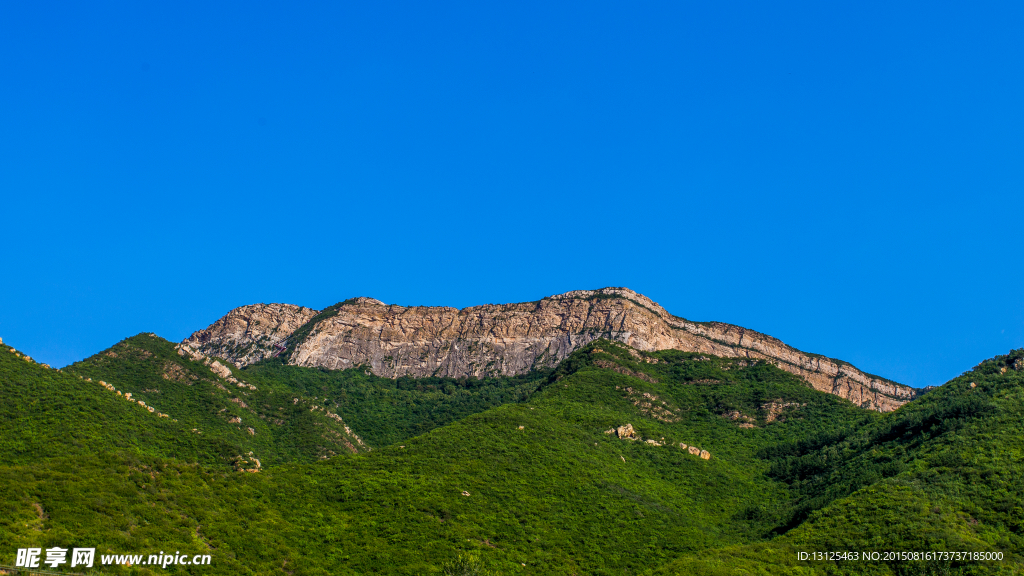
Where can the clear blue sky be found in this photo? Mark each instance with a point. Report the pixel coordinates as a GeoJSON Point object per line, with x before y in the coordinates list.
{"type": "Point", "coordinates": [848, 177]}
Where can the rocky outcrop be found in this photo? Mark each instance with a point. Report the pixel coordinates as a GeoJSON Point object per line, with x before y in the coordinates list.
{"type": "Point", "coordinates": [704, 454]}
{"type": "Point", "coordinates": [247, 463]}
{"type": "Point", "coordinates": [626, 432]}
{"type": "Point", "coordinates": [251, 333]}
{"type": "Point", "coordinates": [507, 339]}
{"type": "Point", "coordinates": [742, 419]}
{"type": "Point", "coordinates": [220, 369]}
{"type": "Point", "coordinates": [773, 410]}
{"type": "Point", "coordinates": [651, 405]}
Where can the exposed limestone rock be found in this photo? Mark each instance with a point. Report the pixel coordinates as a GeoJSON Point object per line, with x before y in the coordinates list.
{"type": "Point", "coordinates": [186, 350]}
{"type": "Point", "coordinates": [512, 339]}
{"type": "Point", "coordinates": [251, 333]}
{"type": "Point", "coordinates": [696, 451]}
{"type": "Point", "coordinates": [248, 463]}
{"type": "Point", "coordinates": [652, 406]}
{"type": "Point", "coordinates": [626, 432]}
{"type": "Point", "coordinates": [774, 409]}
{"type": "Point", "coordinates": [176, 373]}
{"type": "Point", "coordinates": [220, 369]}
{"type": "Point", "coordinates": [240, 383]}
{"type": "Point", "coordinates": [744, 420]}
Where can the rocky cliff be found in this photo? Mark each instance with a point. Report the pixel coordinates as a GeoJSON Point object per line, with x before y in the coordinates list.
{"type": "Point", "coordinates": [509, 339]}
{"type": "Point", "coordinates": [250, 333]}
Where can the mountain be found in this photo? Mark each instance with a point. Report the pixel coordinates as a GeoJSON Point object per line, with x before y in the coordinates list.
{"type": "Point", "coordinates": [590, 474]}
{"type": "Point", "coordinates": [620, 461]}
{"type": "Point", "coordinates": [509, 339]}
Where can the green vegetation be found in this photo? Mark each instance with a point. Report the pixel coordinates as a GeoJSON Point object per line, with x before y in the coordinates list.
{"type": "Point", "coordinates": [48, 413]}
{"type": "Point", "coordinates": [385, 411]}
{"type": "Point", "coordinates": [943, 473]}
{"type": "Point", "coordinates": [512, 476]}
{"type": "Point", "coordinates": [275, 425]}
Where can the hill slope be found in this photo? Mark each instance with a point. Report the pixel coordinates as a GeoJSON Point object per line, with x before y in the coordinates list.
{"type": "Point", "coordinates": [203, 394]}
{"type": "Point", "coordinates": [943, 474]}
{"type": "Point", "coordinates": [46, 413]}
{"type": "Point", "coordinates": [540, 483]}
{"type": "Point", "coordinates": [588, 475]}
{"type": "Point", "coordinates": [384, 410]}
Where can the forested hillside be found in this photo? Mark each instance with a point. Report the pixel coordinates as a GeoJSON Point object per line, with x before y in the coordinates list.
{"type": "Point", "coordinates": [616, 462]}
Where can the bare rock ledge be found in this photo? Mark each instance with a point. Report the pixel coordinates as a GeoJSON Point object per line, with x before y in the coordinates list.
{"type": "Point", "coordinates": [508, 339]}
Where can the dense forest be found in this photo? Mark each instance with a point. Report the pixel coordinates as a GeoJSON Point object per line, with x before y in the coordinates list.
{"type": "Point", "coordinates": [616, 462]}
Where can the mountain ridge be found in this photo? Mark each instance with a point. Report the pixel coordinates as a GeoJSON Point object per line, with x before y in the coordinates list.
{"type": "Point", "coordinates": [509, 339]}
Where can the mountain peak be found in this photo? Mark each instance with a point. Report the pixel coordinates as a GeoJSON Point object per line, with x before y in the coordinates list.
{"type": "Point", "coordinates": [509, 339]}
{"type": "Point", "coordinates": [365, 300]}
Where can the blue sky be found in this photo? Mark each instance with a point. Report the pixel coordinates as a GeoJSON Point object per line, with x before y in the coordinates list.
{"type": "Point", "coordinates": [848, 177]}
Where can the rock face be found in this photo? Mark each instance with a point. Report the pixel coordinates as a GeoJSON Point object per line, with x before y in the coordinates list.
{"type": "Point", "coordinates": [250, 333]}
{"type": "Point", "coordinates": [507, 339]}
